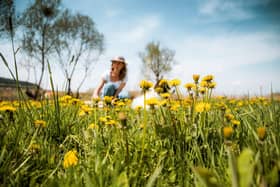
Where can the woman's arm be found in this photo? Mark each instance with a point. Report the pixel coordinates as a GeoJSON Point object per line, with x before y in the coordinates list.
{"type": "Point", "coordinates": [97, 90]}
{"type": "Point", "coordinates": [122, 85]}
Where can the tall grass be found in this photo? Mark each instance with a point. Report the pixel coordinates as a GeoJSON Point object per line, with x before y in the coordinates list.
{"type": "Point", "coordinates": [178, 142]}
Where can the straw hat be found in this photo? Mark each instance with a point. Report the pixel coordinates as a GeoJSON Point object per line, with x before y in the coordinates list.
{"type": "Point", "coordinates": [118, 59]}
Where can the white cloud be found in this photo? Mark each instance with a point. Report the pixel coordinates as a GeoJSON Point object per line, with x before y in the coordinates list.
{"type": "Point", "coordinates": [225, 10]}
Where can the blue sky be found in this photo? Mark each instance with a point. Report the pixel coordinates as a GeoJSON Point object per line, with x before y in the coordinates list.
{"type": "Point", "coordinates": [237, 41]}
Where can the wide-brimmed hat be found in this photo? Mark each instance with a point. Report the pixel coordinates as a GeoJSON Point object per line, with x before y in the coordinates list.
{"type": "Point", "coordinates": [118, 59]}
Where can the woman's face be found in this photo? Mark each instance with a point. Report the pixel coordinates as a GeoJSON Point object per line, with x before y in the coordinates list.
{"type": "Point", "coordinates": [116, 68]}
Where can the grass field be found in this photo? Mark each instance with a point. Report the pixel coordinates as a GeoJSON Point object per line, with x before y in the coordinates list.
{"type": "Point", "coordinates": [193, 140]}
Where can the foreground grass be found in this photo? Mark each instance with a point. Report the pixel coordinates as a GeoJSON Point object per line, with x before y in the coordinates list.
{"type": "Point", "coordinates": [188, 141]}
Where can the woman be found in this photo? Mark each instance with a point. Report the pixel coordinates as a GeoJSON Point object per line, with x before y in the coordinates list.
{"type": "Point", "coordinates": [113, 81]}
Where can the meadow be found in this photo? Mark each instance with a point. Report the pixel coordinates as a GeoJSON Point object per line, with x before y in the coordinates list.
{"type": "Point", "coordinates": [187, 138]}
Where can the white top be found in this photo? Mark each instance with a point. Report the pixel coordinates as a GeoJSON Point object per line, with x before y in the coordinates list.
{"type": "Point", "coordinates": [106, 78]}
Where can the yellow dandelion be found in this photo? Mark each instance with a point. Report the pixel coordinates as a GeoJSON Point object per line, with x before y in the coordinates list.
{"type": "Point", "coordinates": [229, 116]}
{"type": "Point", "coordinates": [201, 107]}
{"type": "Point", "coordinates": [208, 78]}
{"type": "Point", "coordinates": [175, 82]}
{"type": "Point", "coordinates": [108, 99]}
{"type": "Point", "coordinates": [152, 101]}
{"type": "Point", "coordinates": [228, 131]}
{"type": "Point", "coordinates": [111, 122]}
{"type": "Point", "coordinates": [202, 90]}
{"type": "Point", "coordinates": [40, 123]}
{"type": "Point", "coordinates": [158, 90]}
{"type": "Point", "coordinates": [204, 84]}
{"type": "Point", "coordinates": [93, 126]}
{"type": "Point", "coordinates": [145, 85]}
{"type": "Point", "coordinates": [261, 132]}
{"type": "Point", "coordinates": [189, 86]}
{"type": "Point", "coordinates": [212, 85]}
{"type": "Point", "coordinates": [165, 95]}
{"type": "Point", "coordinates": [70, 159]}
{"type": "Point", "coordinates": [196, 78]}
{"type": "Point", "coordinates": [7, 108]}
{"type": "Point", "coordinates": [235, 122]}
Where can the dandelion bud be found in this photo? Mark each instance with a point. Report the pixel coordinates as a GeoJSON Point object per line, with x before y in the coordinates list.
{"type": "Point", "coordinates": [261, 133]}
{"type": "Point", "coordinates": [228, 131]}
{"type": "Point", "coordinates": [196, 78]}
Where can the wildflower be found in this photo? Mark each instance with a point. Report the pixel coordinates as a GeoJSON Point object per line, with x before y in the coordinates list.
{"type": "Point", "coordinates": [235, 122]}
{"type": "Point", "coordinates": [189, 86]}
{"type": "Point", "coordinates": [212, 85]}
{"type": "Point", "coordinates": [111, 122]}
{"type": "Point", "coordinates": [39, 123]}
{"type": "Point", "coordinates": [202, 90]}
{"type": "Point", "coordinates": [261, 132]}
{"type": "Point", "coordinates": [108, 99]}
{"type": "Point", "coordinates": [152, 101]}
{"type": "Point", "coordinates": [7, 108]}
{"type": "Point", "coordinates": [175, 82]}
{"type": "Point", "coordinates": [92, 126]}
{"type": "Point", "coordinates": [201, 107]}
{"type": "Point", "coordinates": [196, 78]}
{"type": "Point", "coordinates": [34, 148]}
{"type": "Point", "coordinates": [70, 159]}
{"type": "Point", "coordinates": [145, 85]}
{"type": "Point", "coordinates": [229, 116]}
{"type": "Point", "coordinates": [158, 90]}
{"type": "Point", "coordinates": [165, 95]}
{"type": "Point", "coordinates": [174, 107]}
{"type": "Point", "coordinates": [208, 78]}
{"type": "Point", "coordinates": [228, 131]}
{"type": "Point", "coordinates": [204, 84]}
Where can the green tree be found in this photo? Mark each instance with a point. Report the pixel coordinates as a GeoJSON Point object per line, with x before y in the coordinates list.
{"type": "Point", "coordinates": [8, 24]}
{"type": "Point", "coordinates": [79, 44]}
{"type": "Point", "coordinates": [157, 60]}
{"type": "Point", "coordinates": [39, 36]}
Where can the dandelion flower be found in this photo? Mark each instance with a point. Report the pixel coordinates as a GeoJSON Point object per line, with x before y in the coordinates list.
{"type": "Point", "coordinates": [92, 126]}
{"type": "Point", "coordinates": [189, 86]}
{"type": "Point", "coordinates": [201, 107]}
{"type": "Point", "coordinates": [235, 122]}
{"type": "Point", "coordinates": [8, 108]}
{"type": "Point", "coordinates": [145, 85]}
{"type": "Point", "coordinates": [40, 123]}
{"type": "Point", "coordinates": [208, 78]}
{"type": "Point", "coordinates": [175, 82]}
{"type": "Point", "coordinates": [70, 159]}
{"type": "Point", "coordinates": [196, 78]}
{"type": "Point", "coordinates": [228, 131]}
{"type": "Point", "coordinates": [261, 132]}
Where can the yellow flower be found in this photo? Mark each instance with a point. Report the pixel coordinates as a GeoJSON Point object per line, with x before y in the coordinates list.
{"type": "Point", "coordinates": [108, 99]}
{"type": "Point", "coordinates": [165, 95]}
{"type": "Point", "coordinates": [152, 101]}
{"type": "Point", "coordinates": [111, 122]}
{"type": "Point", "coordinates": [70, 159]}
{"type": "Point", "coordinates": [228, 131]}
{"type": "Point", "coordinates": [212, 85]}
{"type": "Point", "coordinates": [235, 122]}
{"type": "Point", "coordinates": [175, 82]}
{"type": "Point", "coordinates": [7, 108]}
{"type": "Point", "coordinates": [145, 85]}
{"type": "Point", "coordinates": [196, 78]}
{"type": "Point", "coordinates": [189, 86]}
{"type": "Point", "coordinates": [39, 123]}
{"type": "Point", "coordinates": [208, 78]}
{"type": "Point", "coordinates": [201, 107]}
{"type": "Point", "coordinates": [261, 132]}
{"type": "Point", "coordinates": [229, 116]}
{"type": "Point", "coordinates": [92, 126]}
{"type": "Point", "coordinates": [204, 84]}
{"type": "Point", "coordinates": [202, 90]}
